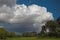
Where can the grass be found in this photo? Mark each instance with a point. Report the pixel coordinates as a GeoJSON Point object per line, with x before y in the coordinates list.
{"type": "Point", "coordinates": [32, 38]}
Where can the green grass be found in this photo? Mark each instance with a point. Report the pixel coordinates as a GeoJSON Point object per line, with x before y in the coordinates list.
{"type": "Point", "coordinates": [33, 38]}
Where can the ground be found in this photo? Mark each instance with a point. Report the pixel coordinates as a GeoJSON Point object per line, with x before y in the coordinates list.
{"type": "Point", "coordinates": [32, 38]}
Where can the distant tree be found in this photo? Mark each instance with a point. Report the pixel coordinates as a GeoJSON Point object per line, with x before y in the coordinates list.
{"type": "Point", "coordinates": [11, 34]}
{"type": "Point", "coordinates": [33, 34]}
{"type": "Point", "coordinates": [3, 33]}
{"type": "Point", "coordinates": [29, 34]}
{"type": "Point", "coordinates": [25, 34]}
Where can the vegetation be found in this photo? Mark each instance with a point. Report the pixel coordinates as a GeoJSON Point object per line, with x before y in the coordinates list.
{"type": "Point", "coordinates": [33, 38]}
{"type": "Point", "coordinates": [3, 33]}
{"type": "Point", "coordinates": [29, 34]}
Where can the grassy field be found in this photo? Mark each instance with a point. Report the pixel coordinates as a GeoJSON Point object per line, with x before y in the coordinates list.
{"type": "Point", "coordinates": [33, 38]}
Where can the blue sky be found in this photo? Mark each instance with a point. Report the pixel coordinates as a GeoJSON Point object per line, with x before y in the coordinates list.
{"type": "Point", "coordinates": [52, 6]}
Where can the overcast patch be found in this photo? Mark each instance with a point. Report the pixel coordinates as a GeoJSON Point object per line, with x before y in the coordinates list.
{"type": "Point", "coordinates": [9, 3]}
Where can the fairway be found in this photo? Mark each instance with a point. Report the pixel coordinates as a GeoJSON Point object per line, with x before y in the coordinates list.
{"type": "Point", "coordinates": [33, 38]}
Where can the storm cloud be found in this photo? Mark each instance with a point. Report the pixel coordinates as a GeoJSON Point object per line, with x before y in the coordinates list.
{"type": "Point", "coordinates": [22, 17]}
{"type": "Point", "coordinates": [8, 2]}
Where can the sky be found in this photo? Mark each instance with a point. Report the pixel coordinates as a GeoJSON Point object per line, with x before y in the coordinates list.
{"type": "Point", "coordinates": [27, 15]}
{"type": "Point", "coordinates": [51, 5]}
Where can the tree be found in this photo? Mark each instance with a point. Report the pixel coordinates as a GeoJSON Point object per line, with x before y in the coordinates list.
{"type": "Point", "coordinates": [58, 27]}
{"type": "Point", "coordinates": [58, 21]}
{"type": "Point", "coordinates": [3, 33]}
{"type": "Point", "coordinates": [51, 25]}
{"type": "Point", "coordinates": [29, 34]}
{"type": "Point", "coordinates": [33, 34]}
{"type": "Point", "coordinates": [42, 33]}
{"type": "Point", "coordinates": [11, 34]}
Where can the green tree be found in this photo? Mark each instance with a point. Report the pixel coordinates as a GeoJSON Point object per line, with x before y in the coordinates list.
{"type": "Point", "coordinates": [51, 25]}
{"type": "Point", "coordinates": [29, 34]}
{"type": "Point", "coordinates": [58, 27]}
{"type": "Point", "coordinates": [3, 33]}
{"type": "Point", "coordinates": [58, 21]}
{"type": "Point", "coordinates": [25, 34]}
{"type": "Point", "coordinates": [11, 34]}
{"type": "Point", "coordinates": [33, 34]}
{"type": "Point", "coordinates": [42, 33]}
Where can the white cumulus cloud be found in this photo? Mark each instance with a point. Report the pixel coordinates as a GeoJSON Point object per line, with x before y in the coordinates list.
{"type": "Point", "coordinates": [24, 17]}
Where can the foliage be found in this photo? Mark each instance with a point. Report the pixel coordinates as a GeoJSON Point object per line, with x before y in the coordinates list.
{"type": "Point", "coordinates": [29, 34]}
{"type": "Point", "coordinates": [51, 26]}
{"type": "Point", "coordinates": [58, 21]}
{"type": "Point", "coordinates": [11, 34]}
{"type": "Point", "coordinates": [3, 33]}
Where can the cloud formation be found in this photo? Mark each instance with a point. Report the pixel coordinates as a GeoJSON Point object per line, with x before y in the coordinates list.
{"type": "Point", "coordinates": [9, 3]}
{"type": "Point", "coordinates": [22, 17]}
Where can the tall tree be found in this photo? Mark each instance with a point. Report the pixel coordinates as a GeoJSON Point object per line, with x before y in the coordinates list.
{"type": "Point", "coordinates": [42, 33]}
{"type": "Point", "coordinates": [58, 27]}
{"type": "Point", "coordinates": [58, 21]}
{"type": "Point", "coordinates": [3, 33]}
{"type": "Point", "coordinates": [51, 25]}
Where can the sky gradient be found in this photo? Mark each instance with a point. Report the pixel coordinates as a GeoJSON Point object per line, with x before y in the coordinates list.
{"type": "Point", "coordinates": [52, 6]}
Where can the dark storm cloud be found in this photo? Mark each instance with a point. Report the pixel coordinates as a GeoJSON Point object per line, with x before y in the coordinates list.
{"type": "Point", "coordinates": [8, 2]}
